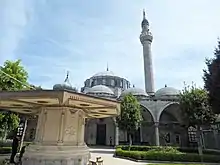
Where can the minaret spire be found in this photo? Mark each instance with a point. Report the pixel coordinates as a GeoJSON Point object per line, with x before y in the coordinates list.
{"type": "Point", "coordinates": [107, 68]}
{"type": "Point", "coordinates": [144, 14]}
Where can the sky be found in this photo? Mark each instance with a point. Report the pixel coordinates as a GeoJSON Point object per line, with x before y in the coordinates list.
{"type": "Point", "coordinates": [52, 37]}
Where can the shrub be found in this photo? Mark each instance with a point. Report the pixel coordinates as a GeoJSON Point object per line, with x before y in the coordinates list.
{"type": "Point", "coordinates": [5, 150]}
{"type": "Point", "coordinates": [159, 148]}
{"type": "Point", "coordinates": [162, 154]}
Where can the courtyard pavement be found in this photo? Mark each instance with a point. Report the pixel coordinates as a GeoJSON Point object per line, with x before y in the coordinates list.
{"type": "Point", "coordinates": [107, 155]}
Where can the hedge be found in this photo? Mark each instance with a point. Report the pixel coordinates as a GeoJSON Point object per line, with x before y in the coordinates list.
{"type": "Point", "coordinates": [5, 150]}
{"type": "Point", "coordinates": [163, 155]}
{"type": "Point", "coordinates": [184, 150]}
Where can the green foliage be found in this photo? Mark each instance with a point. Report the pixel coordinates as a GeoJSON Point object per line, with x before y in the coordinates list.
{"type": "Point", "coordinates": [15, 70]}
{"type": "Point", "coordinates": [167, 149]}
{"type": "Point", "coordinates": [130, 117]}
{"type": "Point", "coordinates": [5, 150]}
{"type": "Point", "coordinates": [8, 122]}
{"type": "Point", "coordinates": [165, 154]}
{"type": "Point", "coordinates": [194, 104]}
{"type": "Point", "coordinates": [211, 79]}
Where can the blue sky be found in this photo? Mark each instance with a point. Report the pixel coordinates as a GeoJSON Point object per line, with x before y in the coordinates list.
{"type": "Point", "coordinates": [82, 36]}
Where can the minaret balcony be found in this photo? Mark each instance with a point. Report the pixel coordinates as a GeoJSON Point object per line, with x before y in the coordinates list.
{"type": "Point", "coordinates": [146, 37]}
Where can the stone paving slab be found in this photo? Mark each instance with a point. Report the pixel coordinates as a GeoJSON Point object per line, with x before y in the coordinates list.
{"type": "Point", "coordinates": [107, 156]}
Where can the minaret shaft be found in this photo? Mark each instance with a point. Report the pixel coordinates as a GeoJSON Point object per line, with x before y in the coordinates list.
{"type": "Point", "coordinates": [146, 39]}
{"type": "Point", "coordinates": [148, 68]}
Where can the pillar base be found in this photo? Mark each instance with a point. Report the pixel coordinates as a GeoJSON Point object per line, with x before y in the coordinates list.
{"type": "Point", "coordinates": [56, 155]}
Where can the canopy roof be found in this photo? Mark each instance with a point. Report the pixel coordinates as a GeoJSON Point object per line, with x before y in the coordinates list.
{"type": "Point", "coordinates": [28, 102]}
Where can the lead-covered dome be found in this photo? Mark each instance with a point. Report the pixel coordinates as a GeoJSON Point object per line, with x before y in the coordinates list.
{"type": "Point", "coordinates": [104, 73]}
{"type": "Point", "coordinates": [167, 92]}
{"type": "Point", "coordinates": [102, 89]}
{"type": "Point", "coordinates": [65, 85]}
{"type": "Point", "coordinates": [135, 92]}
{"type": "Point", "coordinates": [62, 87]}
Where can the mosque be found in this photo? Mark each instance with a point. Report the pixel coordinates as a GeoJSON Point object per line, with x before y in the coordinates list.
{"type": "Point", "coordinates": [162, 121]}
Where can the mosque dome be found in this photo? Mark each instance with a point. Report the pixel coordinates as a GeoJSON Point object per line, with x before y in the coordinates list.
{"type": "Point", "coordinates": [100, 89]}
{"type": "Point", "coordinates": [64, 86]}
{"type": "Point", "coordinates": [104, 73]}
{"type": "Point", "coordinates": [167, 91]}
{"type": "Point", "coordinates": [135, 92]}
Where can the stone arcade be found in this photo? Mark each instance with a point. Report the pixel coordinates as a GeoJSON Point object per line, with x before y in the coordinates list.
{"type": "Point", "coordinates": [61, 114]}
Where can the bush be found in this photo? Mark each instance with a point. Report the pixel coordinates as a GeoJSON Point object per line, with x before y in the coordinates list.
{"type": "Point", "coordinates": [5, 150]}
{"type": "Point", "coordinates": [7, 143]}
{"type": "Point", "coordinates": [162, 154]}
{"type": "Point", "coordinates": [159, 148]}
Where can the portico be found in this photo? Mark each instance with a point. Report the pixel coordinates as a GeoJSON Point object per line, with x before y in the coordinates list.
{"type": "Point", "coordinates": [61, 120]}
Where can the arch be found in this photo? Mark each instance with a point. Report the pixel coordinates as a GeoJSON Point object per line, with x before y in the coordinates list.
{"type": "Point", "coordinates": [175, 114]}
{"type": "Point", "coordinates": [149, 111]}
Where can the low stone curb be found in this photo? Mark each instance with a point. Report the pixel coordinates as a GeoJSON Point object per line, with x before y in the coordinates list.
{"type": "Point", "coordinates": [161, 162]}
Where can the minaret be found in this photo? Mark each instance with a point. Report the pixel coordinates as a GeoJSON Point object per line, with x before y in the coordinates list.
{"type": "Point", "coordinates": [146, 39]}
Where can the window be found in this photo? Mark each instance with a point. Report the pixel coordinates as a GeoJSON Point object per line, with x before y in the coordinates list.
{"type": "Point", "coordinates": [103, 81]}
{"type": "Point", "coordinates": [95, 82]}
{"type": "Point", "coordinates": [121, 83]}
{"type": "Point", "coordinates": [177, 139]}
{"type": "Point", "coordinates": [192, 134]}
{"type": "Point", "coordinates": [112, 82]}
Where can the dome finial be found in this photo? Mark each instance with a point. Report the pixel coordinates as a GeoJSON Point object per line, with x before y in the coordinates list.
{"type": "Point", "coordinates": [67, 77]}
{"type": "Point", "coordinates": [144, 14]}
{"type": "Point", "coordinates": [107, 68]}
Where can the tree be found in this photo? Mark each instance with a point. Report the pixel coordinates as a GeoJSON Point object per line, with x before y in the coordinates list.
{"type": "Point", "coordinates": [195, 107]}
{"type": "Point", "coordinates": [13, 77]}
{"type": "Point", "coordinates": [9, 122]}
{"type": "Point", "coordinates": [130, 117]}
{"type": "Point", "coordinates": [211, 79]}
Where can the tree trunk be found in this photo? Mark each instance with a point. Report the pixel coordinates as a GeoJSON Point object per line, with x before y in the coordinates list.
{"type": "Point", "coordinates": [130, 139]}
{"type": "Point", "coordinates": [199, 142]}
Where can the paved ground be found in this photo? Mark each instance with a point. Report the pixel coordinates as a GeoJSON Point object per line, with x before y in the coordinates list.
{"type": "Point", "coordinates": [107, 156]}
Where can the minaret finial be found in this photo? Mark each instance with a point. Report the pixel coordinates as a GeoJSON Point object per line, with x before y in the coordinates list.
{"type": "Point", "coordinates": [107, 67]}
{"type": "Point", "coordinates": [144, 14]}
{"type": "Point", "coordinates": [67, 76]}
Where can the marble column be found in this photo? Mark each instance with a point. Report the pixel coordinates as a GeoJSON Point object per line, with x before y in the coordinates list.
{"type": "Point", "coordinates": [141, 134]}
{"type": "Point", "coordinates": [59, 140]}
{"type": "Point", "coordinates": [116, 135]}
{"type": "Point", "coordinates": [157, 134]}
{"type": "Point", "coordinates": [116, 132]}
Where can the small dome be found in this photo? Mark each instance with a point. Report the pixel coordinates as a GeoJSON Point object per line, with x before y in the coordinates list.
{"type": "Point", "coordinates": [100, 89]}
{"type": "Point", "coordinates": [62, 87]}
{"type": "Point", "coordinates": [66, 85]}
{"type": "Point", "coordinates": [105, 73]}
{"type": "Point", "coordinates": [134, 91]}
{"type": "Point", "coordinates": [167, 91]}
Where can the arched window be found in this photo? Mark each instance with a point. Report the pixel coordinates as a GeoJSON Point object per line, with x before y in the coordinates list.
{"type": "Point", "coordinates": [192, 134]}
{"type": "Point", "coordinates": [112, 82]}
{"type": "Point", "coordinates": [104, 81]}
